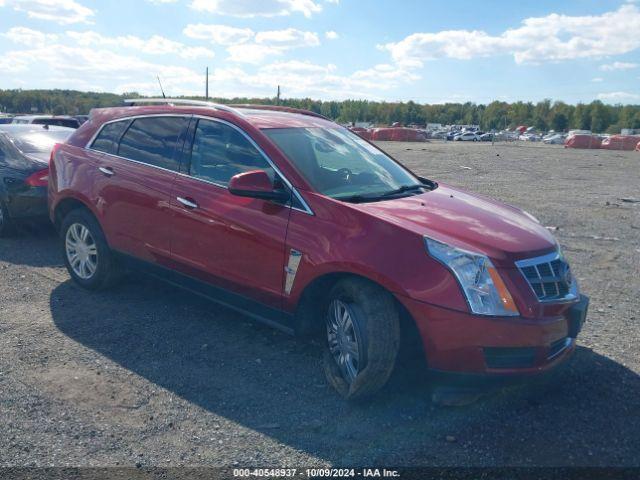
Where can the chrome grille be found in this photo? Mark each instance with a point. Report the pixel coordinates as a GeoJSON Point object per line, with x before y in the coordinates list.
{"type": "Point", "coordinates": [549, 276]}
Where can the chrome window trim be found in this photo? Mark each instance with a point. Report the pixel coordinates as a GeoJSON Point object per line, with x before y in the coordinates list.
{"type": "Point", "coordinates": [286, 181]}
{"type": "Point", "coordinates": [548, 258]}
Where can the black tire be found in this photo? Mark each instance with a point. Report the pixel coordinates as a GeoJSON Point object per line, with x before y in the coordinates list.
{"type": "Point", "coordinates": [376, 321]}
{"type": "Point", "coordinates": [6, 225]}
{"type": "Point", "coordinates": [107, 271]}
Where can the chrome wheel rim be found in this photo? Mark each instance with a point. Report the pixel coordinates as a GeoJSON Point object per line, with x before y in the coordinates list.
{"type": "Point", "coordinates": [343, 339]}
{"type": "Point", "coordinates": [82, 252]}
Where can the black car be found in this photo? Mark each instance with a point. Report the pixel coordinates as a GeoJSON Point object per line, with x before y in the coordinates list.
{"type": "Point", "coordinates": [24, 170]}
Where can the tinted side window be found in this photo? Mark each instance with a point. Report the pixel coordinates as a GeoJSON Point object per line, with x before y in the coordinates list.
{"type": "Point", "coordinates": [107, 139]}
{"type": "Point", "coordinates": [219, 152]}
{"type": "Point", "coordinates": [153, 141]}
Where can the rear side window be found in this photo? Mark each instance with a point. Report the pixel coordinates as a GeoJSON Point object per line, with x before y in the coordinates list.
{"type": "Point", "coordinates": [107, 139]}
{"type": "Point", "coordinates": [153, 141]}
{"type": "Point", "coordinates": [219, 152]}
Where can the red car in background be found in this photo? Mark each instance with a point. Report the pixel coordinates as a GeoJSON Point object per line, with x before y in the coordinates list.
{"type": "Point", "coordinates": [294, 220]}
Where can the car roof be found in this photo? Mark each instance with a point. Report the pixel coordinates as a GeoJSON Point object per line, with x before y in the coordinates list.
{"type": "Point", "coordinates": [259, 116]}
{"type": "Point", "coordinates": [31, 117]}
{"type": "Point", "coordinates": [32, 128]}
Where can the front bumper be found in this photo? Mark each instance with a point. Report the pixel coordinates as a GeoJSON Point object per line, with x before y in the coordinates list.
{"type": "Point", "coordinates": [459, 343]}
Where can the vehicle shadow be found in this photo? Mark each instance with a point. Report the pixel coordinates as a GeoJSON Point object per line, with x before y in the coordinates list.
{"type": "Point", "coordinates": [31, 244]}
{"type": "Point", "coordinates": [271, 383]}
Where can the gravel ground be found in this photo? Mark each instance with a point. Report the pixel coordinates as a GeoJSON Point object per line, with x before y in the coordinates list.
{"type": "Point", "coordinates": [149, 376]}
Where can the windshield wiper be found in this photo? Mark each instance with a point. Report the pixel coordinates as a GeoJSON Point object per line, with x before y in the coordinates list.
{"type": "Point", "coordinates": [402, 189]}
{"type": "Point", "coordinates": [358, 198]}
{"type": "Point", "coordinates": [379, 196]}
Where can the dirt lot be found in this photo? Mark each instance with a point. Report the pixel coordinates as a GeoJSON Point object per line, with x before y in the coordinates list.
{"type": "Point", "coordinates": [148, 375]}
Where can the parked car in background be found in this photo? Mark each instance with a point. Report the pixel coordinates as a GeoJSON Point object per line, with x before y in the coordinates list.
{"type": "Point", "coordinates": [467, 137]}
{"type": "Point", "coordinates": [556, 139]}
{"type": "Point", "coordinates": [288, 216]}
{"type": "Point", "coordinates": [530, 137]}
{"type": "Point", "coordinates": [440, 134]}
{"type": "Point", "coordinates": [452, 134]}
{"type": "Point", "coordinates": [5, 119]}
{"type": "Point", "coordinates": [486, 137]}
{"type": "Point", "coordinates": [24, 158]}
{"type": "Point", "coordinates": [60, 121]}
{"type": "Point", "coordinates": [578, 132]}
{"type": "Point", "coordinates": [81, 118]}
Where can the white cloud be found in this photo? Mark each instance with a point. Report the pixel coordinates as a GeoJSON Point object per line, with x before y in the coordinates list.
{"type": "Point", "coordinates": [538, 39]}
{"type": "Point", "coordinates": [331, 35]}
{"type": "Point", "coordinates": [288, 38]}
{"type": "Point", "coordinates": [28, 37]}
{"type": "Point", "coordinates": [252, 53]}
{"type": "Point", "coordinates": [64, 12]}
{"type": "Point", "coordinates": [219, 34]}
{"type": "Point", "coordinates": [155, 45]}
{"type": "Point", "coordinates": [383, 73]}
{"type": "Point", "coordinates": [254, 48]}
{"type": "Point", "coordinates": [297, 67]}
{"type": "Point", "coordinates": [619, 97]}
{"type": "Point", "coordinates": [82, 66]}
{"type": "Point", "coordinates": [257, 8]}
{"type": "Point", "coordinates": [618, 66]}
{"type": "Point", "coordinates": [597, 79]}
{"type": "Point", "coordinates": [246, 46]}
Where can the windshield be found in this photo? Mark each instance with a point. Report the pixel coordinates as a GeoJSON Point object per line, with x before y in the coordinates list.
{"type": "Point", "coordinates": [39, 142]}
{"type": "Point", "coordinates": [341, 165]}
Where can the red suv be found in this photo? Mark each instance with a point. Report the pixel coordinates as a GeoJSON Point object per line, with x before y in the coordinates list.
{"type": "Point", "coordinates": [296, 221]}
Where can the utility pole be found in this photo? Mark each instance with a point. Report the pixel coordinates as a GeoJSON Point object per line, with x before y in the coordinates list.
{"type": "Point", "coordinates": [278, 96]}
{"type": "Point", "coordinates": [207, 85]}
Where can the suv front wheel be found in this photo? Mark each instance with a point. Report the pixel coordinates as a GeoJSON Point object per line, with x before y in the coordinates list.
{"type": "Point", "coordinates": [87, 256]}
{"type": "Point", "coordinates": [363, 337]}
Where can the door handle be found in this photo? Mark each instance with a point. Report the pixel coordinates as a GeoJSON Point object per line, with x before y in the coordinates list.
{"type": "Point", "coordinates": [187, 202]}
{"type": "Point", "coordinates": [107, 171]}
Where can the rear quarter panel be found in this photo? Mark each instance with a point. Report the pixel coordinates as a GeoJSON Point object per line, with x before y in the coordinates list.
{"type": "Point", "coordinates": [72, 173]}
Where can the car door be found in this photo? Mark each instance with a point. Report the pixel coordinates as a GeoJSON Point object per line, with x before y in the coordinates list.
{"type": "Point", "coordinates": [134, 185]}
{"type": "Point", "coordinates": [234, 243]}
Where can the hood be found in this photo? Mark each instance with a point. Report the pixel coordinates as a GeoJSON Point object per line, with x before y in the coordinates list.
{"type": "Point", "coordinates": [469, 221]}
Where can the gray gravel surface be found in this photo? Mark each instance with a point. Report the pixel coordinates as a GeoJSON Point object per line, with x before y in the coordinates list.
{"type": "Point", "coordinates": [146, 375]}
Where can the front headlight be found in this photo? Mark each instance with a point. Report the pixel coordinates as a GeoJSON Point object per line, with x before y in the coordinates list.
{"type": "Point", "coordinates": [480, 282]}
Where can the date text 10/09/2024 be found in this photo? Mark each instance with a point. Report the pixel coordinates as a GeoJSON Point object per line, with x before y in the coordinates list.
{"type": "Point", "coordinates": [316, 473]}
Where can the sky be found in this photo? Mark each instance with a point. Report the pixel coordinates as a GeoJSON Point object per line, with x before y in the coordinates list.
{"type": "Point", "coordinates": [421, 50]}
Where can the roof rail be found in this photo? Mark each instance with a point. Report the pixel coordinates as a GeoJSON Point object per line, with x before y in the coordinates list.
{"type": "Point", "coordinates": [280, 108]}
{"type": "Point", "coordinates": [181, 101]}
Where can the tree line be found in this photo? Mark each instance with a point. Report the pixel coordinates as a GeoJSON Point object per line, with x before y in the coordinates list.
{"type": "Point", "coordinates": [544, 115]}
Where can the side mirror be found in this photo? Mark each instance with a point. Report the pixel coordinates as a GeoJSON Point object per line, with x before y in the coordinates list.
{"type": "Point", "coordinates": [256, 184]}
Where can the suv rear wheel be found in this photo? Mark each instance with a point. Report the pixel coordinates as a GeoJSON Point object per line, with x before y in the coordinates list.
{"type": "Point", "coordinates": [363, 338]}
{"type": "Point", "coordinates": [86, 254]}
